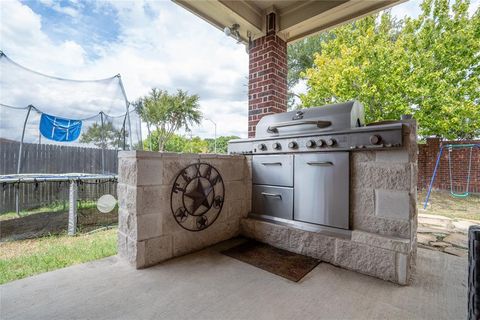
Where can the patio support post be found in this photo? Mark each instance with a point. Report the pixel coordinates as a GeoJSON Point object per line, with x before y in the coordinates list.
{"type": "Point", "coordinates": [267, 80]}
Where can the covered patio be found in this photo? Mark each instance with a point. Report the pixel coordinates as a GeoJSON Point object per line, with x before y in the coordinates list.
{"type": "Point", "coordinates": [194, 280]}
{"type": "Point", "coordinates": [209, 285]}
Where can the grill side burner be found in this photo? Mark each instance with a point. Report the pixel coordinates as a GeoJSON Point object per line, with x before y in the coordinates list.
{"type": "Point", "coordinates": [300, 168]}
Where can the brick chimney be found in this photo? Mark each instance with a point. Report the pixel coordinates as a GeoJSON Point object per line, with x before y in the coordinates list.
{"type": "Point", "coordinates": [267, 80]}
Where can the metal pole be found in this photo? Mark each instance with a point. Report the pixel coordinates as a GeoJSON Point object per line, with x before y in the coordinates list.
{"type": "Point", "coordinates": [129, 129]}
{"type": "Point", "coordinates": [215, 141]}
{"type": "Point", "coordinates": [433, 177]}
{"type": "Point", "coordinates": [127, 105]}
{"type": "Point", "coordinates": [103, 142]}
{"type": "Point", "coordinates": [19, 162]}
{"type": "Point", "coordinates": [191, 137]}
{"type": "Point", "coordinates": [124, 131]}
{"type": "Point", "coordinates": [149, 137]}
{"type": "Point", "coordinates": [140, 138]}
{"type": "Point", "coordinates": [72, 208]}
{"type": "Point", "coordinates": [215, 144]}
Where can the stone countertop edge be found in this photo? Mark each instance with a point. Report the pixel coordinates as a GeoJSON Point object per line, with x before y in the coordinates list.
{"type": "Point", "coordinates": [155, 154]}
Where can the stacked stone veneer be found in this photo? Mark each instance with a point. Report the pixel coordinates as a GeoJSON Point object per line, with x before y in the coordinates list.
{"type": "Point", "coordinates": [148, 232]}
{"type": "Point", "coordinates": [382, 213]}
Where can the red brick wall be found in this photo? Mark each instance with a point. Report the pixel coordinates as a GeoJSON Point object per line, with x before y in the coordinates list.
{"type": "Point", "coordinates": [267, 84]}
{"type": "Point", "coordinates": [427, 156]}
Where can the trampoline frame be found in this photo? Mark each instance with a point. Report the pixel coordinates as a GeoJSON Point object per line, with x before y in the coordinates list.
{"type": "Point", "coordinates": [73, 178]}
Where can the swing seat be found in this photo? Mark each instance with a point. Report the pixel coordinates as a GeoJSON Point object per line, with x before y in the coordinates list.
{"type": "Point", "coordinates": [450, 149]}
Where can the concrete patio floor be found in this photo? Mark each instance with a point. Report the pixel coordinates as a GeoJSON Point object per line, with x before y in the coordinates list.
{"type": "Point", "coordinates": [208, 285]}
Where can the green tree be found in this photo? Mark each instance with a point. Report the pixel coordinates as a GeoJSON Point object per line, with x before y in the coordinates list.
{"type": "Point", "coordinates": [167, 113]}
{"type": "Point", "coordinates": [222, 144]}
{"type": "Point", "coordinates": [443, 45]}
{"type": "Point", "coordinates": [362, 63]}
{"type": "Point", "coordinates": [428, 67]}
{"type": "Point", "coordinates": [104, 137]}
{"type": "Point", "coordinates": [177, 143]}
{"type": "Point", "coordinates": [300, 56]}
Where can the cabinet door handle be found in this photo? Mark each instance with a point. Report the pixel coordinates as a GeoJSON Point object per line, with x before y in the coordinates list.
{"type": "Point", "coordinates": [272, 195]}
{"type": "Point", "coordinates": [320, 163]}
{"type": "Point", "coordinates": [272, 163]}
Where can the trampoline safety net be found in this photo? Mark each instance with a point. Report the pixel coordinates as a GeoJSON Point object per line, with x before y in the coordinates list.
{"type": "Point", "coordinates": [108, 124]}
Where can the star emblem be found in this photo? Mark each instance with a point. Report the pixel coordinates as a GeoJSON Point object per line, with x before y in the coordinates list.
{"type": "Point", "coordinates": [202, 222]}
{"type": "Point", "coordinates": [199, 195]}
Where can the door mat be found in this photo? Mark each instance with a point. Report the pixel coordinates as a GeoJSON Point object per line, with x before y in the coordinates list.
{"type": "Point", "coordinates": [283, 263]}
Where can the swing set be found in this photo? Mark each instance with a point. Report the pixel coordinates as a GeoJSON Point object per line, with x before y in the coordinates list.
{"type": "Point", "coordinates": [450, 148]}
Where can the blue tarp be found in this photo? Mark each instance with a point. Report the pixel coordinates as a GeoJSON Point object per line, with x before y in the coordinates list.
{"type": "Point", "coordinates": [60, 129]}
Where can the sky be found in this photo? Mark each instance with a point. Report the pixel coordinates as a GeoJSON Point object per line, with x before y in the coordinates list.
{"type": "Point", "coordinates": [150, 43]}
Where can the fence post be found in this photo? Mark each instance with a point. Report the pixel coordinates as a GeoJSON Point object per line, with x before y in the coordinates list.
{"type": "Point", "coordinates": [72, 209]}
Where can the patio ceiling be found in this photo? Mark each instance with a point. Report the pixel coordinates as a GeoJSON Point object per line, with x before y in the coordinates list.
{"type": "Point", "coordinates": [296, 19]}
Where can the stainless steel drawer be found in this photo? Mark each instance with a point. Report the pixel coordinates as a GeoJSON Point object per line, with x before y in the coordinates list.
{"type": "Point", "coordinates": [322, 189]}
{"type": "Point", "coordinates": [273, 201]}
{"type": "Point", "coordinates": [274, 170]}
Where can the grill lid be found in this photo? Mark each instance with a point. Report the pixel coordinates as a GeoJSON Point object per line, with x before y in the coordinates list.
{"type": "Point", "coordinates": [325, 118]}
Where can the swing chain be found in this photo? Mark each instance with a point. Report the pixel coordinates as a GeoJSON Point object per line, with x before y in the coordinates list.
{"type": "Point", "coordinates": [452, 192]}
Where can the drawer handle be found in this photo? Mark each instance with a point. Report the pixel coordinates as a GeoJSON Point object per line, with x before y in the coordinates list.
{"type": "Point", "coordinates": [273, 195]}
{"type": "Point", "coordinates": [321, 163]}
{"type": "Point", "coordinates": [272, 163]}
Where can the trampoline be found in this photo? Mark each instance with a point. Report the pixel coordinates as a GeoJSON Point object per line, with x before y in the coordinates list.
{"type": "Point", "coordinates": [74, 179]}
{"type": "Point", "coordinates": [51, 140]}
{"type": "Point", "coordinates": [61, 177]}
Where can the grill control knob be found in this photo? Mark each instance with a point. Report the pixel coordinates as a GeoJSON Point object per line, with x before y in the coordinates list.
{"type": "Point", "coordinates": [292, 145]}
{"type": "Point", "coordinates": [310, 144]}
{"type": "Point", "coordinates": [262, 146]}
{"type": "Point", "coordinates": [276, 146]}
{"type": "Point", "coordinates": [331, 142]}
{"type": "Point", "coordinates": [375, 139]}
{"type": "Point", "coordinates": [321, 143]}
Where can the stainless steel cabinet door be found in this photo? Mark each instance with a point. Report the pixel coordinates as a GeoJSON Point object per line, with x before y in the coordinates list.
{"type": "Point", "coordinates": [322, 189]}
{"type": "Point", "coordinates": [273, 201]}
{"type": "Point", "coordinates": [276, 170]}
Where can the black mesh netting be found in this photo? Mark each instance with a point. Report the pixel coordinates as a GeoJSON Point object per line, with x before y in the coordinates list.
{"type": "Point", "coordinates": [101, 105]}
{"type": "Point", "coordinates": [108, 125]}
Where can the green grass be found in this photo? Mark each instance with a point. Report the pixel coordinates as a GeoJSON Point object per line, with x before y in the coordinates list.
{"type": "Point", "coordinates": [21, 259]}
{"type": "Point", "coordinates": [53, 207]}
{"type": "Point", "coordinates": [442, 203]}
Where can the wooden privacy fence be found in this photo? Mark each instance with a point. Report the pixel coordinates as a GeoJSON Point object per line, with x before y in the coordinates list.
{"type": "Point", "coordinates": [48, 158]}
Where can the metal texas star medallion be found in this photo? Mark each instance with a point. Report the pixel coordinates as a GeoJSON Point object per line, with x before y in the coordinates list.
{"type": "Point", "coordinates": [197, 196]}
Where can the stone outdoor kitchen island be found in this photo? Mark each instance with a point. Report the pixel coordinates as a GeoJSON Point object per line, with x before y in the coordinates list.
{"type": "Point", "coordinates": [157, 190]}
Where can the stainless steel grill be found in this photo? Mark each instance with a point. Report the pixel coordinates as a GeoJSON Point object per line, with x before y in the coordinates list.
{"type": "Point", "coordinates": [300, 162]}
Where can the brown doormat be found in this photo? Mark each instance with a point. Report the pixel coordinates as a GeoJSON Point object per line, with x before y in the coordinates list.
{"type": "Point", "coordinates": [280, 262]}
